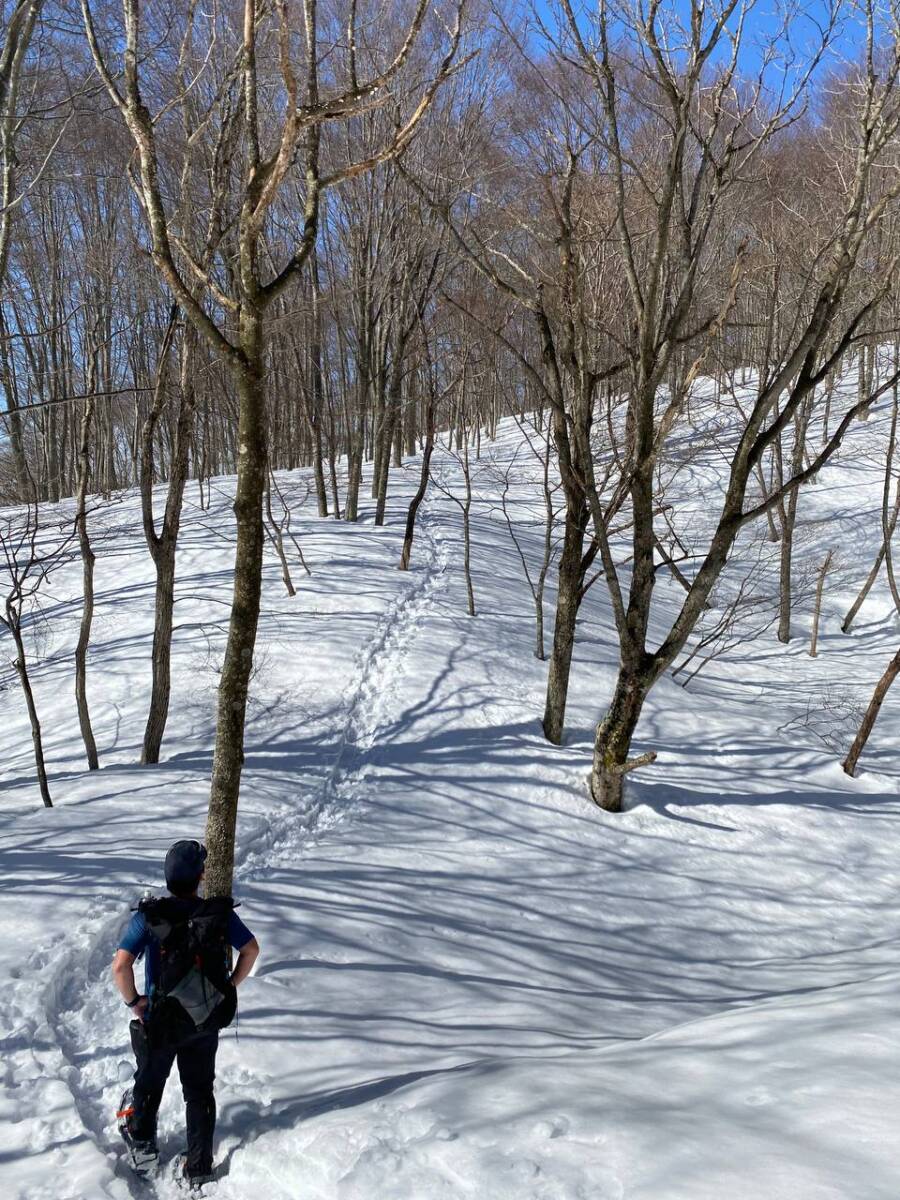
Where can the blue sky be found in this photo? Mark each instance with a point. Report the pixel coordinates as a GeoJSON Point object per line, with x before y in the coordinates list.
{"type": "Point", "coordinates": [765, 19]}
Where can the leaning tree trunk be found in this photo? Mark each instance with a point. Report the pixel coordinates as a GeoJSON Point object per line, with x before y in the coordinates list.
{"type": "Point", "coordinates": [871, 715]}
{"type": "Point", "coordinates": [87, 612]}
{"type": "Point", "coordinates": [817, 610]}
{"type": "Point", "coordinates": [568, 601]}
{"type": "Point", "coordinates": [22, 671]}
{"type": "Point", "coordinates": [233, 687]}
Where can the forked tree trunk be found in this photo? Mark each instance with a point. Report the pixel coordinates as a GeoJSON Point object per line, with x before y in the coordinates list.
{"type": "Point", "coordinates": [163, 547]}
{"type": "Point", "coordinates": [871, 715]}
{"type": "Point", "coordinates": [234, 684]}
{"type": "Point", "coordinates": [276, 537]}
{"type": "Point", "coordinates": [613, 740]}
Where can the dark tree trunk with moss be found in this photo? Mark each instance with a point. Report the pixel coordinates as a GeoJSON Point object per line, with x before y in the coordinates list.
{"type": "Point", "coordinates": [613, 739]}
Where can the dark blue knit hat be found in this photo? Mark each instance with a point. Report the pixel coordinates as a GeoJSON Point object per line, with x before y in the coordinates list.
{"type": "Point", "coordinates": [184, 863]}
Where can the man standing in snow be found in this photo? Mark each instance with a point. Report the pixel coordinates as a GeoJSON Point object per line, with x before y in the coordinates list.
{"type": "Point", "coordinates": [189, 996]}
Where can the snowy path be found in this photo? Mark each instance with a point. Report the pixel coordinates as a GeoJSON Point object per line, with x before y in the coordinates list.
{"type": "Point", "coordinates": [69, 1037]}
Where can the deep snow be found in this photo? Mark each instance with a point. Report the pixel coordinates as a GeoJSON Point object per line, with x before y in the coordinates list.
{"type": "Point", "coordinates": [472, 982]}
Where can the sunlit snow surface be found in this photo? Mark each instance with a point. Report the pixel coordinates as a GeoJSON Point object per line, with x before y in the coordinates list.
{"type": "Point", "coordinates": [472, 983]}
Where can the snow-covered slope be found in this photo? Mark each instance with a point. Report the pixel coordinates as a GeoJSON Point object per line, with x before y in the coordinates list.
{"type": "Point", "coordinates": [472, 982]}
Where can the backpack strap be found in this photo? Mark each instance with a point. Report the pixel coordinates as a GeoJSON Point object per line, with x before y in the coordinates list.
{"type": "Point", "coordinates": [165, 913]}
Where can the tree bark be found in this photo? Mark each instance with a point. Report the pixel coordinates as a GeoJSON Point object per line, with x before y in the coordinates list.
{"type": "Point", "coordinates": [417, 499]}
{"type": "Point", "coordinates": [37, 742]}
{"type": "Point", "coordinates": [163, 547]}
{"type": "Point", "coordinates": [467, 533]}
{"type": "Point", "coordinates": [318, 392]}
{"type": "Point", "coordinates": [871, 715]}
{"type": "Point", "coordinates": [568, 601]}
{"type": "Point", "coordinates": [87, 611]}
{"type": "Point", "coordinates": [785, 589]}
{"type": "Point", "coordinates": [276, 537]}
{"type": "Point", "coordinates": [613, 739]}
{"type": "Point", "coordinates": [817, 611]}
{"type": "Point", "coordinates": [234, 684]}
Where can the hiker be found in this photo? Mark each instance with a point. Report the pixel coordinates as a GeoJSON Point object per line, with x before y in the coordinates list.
{"type": "Point", "coordinates": [189, 995]}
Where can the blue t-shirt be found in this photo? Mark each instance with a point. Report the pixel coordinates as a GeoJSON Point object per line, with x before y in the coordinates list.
{"type": "Point", "coordinates": [137, 940]}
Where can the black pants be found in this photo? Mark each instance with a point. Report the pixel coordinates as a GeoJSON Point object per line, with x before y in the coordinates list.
{"type": "Point", "coordinates": [196, 1055]}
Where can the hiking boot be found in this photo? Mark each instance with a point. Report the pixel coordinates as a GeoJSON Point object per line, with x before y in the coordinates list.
{"type": "Point", "coordinates": [143, 1152]}
{"type": "Point", "coordinates": [192, 1181]}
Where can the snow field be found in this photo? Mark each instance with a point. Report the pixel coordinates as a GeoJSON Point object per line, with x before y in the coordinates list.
{"type": "Point", "coordinates": [472, 983]}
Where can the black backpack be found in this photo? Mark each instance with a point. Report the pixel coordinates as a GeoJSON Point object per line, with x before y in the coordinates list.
{"type": "Point", "coordinates": [193, 993]}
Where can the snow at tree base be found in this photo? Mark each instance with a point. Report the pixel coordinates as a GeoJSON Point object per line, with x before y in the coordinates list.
{"type": "Point", "coordinates": [474, 983]}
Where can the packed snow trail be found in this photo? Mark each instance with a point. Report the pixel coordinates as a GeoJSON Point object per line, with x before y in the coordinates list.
{"type": "Point", "coordinates": [464, 965]}
{"type": "Point", "coordinates": [77, 998]}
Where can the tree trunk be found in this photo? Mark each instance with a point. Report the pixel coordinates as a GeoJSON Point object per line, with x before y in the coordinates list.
{"type": "Point", "coordinates": [785, 587]}
{"type": "Point", "coordinates": [570, 578]}
{"type": "Point", "coordinates": [467, 542]}
{"type": "Point", "coordinates": [354, 468]}
{"type": "Point", "coordinates": [871, 715]}
{"type": "Point", "coordinates": [276, 537]}
{"type": "Point", "coordinates": [87, 612]}
{"type": "Point", "coordinates": [613, 740]}
{"type": "Point", "coordinates": [417, 499]}
{"type": "Point", "coordinates": [233, 687]}
{"type": "Point", "coordinates": [164, 561]}
{"type": "Point", "coordinates": [22, 672]}
{"type": "Point", "coordinates": [817, 611]}
{"type": "Point", "coordinates": [318, 397]}
{"type": "Point", "coordinates": [390, 424]}
{"type": "Point", "coordinates": [163, 548]}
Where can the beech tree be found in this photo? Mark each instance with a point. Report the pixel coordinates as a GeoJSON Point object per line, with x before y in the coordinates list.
{"type": "Point", "coordinates": [238, 287]}
{"type": "Point", "coordinates": [715, 129]}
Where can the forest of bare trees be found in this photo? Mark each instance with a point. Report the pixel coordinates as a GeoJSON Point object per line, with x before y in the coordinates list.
{"type": "Point", "coordinates": [251, 237]}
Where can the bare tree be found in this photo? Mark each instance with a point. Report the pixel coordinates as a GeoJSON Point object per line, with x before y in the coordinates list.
{"type": "Point", "coordinates": [871, 714]}
{"type": "Point", "coordinates": [16, 39]}
{"type": "Point", "coordinates": [238, 292]}
{"type": "Point", "coordinates": [87, 562]}
{"type": "Point", "coordinates": [26, 563]}
{"type": "Point", "coordinates": [711, 139]}
{"type": "Point", "coordinates": [817, 609]}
